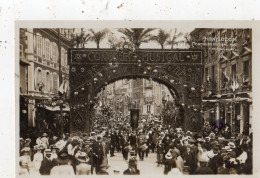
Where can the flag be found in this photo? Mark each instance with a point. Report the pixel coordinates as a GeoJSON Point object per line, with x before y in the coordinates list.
{"type": "Point", "coordinates": [234, 84]}
{"type": "Point", "coordinates": [61, 88]}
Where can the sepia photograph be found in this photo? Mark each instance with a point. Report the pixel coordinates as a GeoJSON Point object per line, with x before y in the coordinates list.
{"type": "Point", "coordinates": [144, 101]}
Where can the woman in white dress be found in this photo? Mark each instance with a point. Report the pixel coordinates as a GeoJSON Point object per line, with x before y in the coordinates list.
{"type": "Point", "coordinates": [38, 157]}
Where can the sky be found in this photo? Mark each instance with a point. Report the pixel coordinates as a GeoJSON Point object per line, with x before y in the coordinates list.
{"type": "Point", "coordinates": [152, 44]}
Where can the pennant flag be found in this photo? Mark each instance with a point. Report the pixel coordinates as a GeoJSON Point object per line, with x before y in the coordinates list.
{"type": "Point", "coordinates": [61, 88]}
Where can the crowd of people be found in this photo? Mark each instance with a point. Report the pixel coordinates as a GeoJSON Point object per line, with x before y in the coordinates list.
{"type": "Point", "coordinates": [212, 151]}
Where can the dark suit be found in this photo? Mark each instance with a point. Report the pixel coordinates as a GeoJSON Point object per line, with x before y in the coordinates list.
{"type": "Point", "coordinates": [46, 166]}
{"type": "Point", "coordinates": [98, 155]}
{"type": "Point", "coordinates": [190, 161]}
{"type": "Point", "coordinates": [113, 144]}
{"type": "Point", "coordinates": [124, 144]}
{"type": "Point", "coordinates": [128, 172]}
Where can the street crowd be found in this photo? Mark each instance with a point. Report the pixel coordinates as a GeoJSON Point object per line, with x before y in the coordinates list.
{"type": "Point", "coordinates": [211, 151]}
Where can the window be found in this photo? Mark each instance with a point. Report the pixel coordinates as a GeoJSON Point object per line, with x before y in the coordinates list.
{"type": "Point", "coordinates": [213, 73]}
{"type": "Point", "coordinates": [38, 79]}
{"type": "Point", "coordinates": [233, 71]}
{"type": "Point", "coordinates": [55, 83]}
{"type": "Point", "coordinates": [63, 57]}
{"type": "Point", "coordinates": [213, 77]}
{"type": "Point", "coordinates": [148, 108]}
{"type": "Point", "coordinates": [21, 50]}
{"type": "Point", "coordinates": [224, 78]}
{"type": "Point", "coordinates": [246, 72]}
{"type": "Point", "coordinates": [38, 44]}
{"type": "Point", "coordinates": [47, 49]}
{"type": "Point", "coordinates": [44, 80]}
{"type": "Point", "coordinates": [206, 74]}
{"type": "Point", "coordinates": [48, 81]}
{"type": "Point", "coordinates": [55, 52]}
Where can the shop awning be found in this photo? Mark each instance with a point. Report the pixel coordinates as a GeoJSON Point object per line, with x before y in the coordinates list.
{"type": "Point", "coordinates": [226, 100]}
{"type": "Point", "coordinates": [57, 108]}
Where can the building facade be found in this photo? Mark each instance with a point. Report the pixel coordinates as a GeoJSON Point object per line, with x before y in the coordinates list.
{"type": "Point", "coordinates": [39, 68]}
{"type": "Point", "coordinates": [143, 94]}
{"type": "Point", "coordinates": [227, 92]}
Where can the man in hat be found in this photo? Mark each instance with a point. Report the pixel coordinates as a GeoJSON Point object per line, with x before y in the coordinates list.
{"type": "Point", "coordinates": [98, 155]}
{"type": "Point", "coordinates": [83, 168]}
{"type": "Point", "coordinates": [45, 140]}
{"type": "Point", "coordinates": [133, 140]}
{"type": "Point", "coordinates": [113, 143]}
{"type": "Point", "coordinates": [47, 164]}
{"type": "Point", "coordinates": [141, 144]}
{"type": "Point", "coordinates": [125, 146]}
{"type": "Point", "coordinates": [64, 167]}
{"type": "Point", "coordinates": [190, 160]}
{"type": "Point", "coordinates": [132, 167]}
{"type": "Point", "coordinates": [168, 162]}
{"type": "Point", "coordinates": [72, 147]}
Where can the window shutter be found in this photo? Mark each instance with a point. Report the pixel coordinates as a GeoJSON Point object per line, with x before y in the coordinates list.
{"type": "Point", "coordinates": [44, 80]}
{"type": "Point", "coordinates": [51, 82]}
{"type": "Point", "coordinates": [43, 48]}
{"type": "Point", "coordinates": [51, 51]}
{"type": "Point", "coordinates": [36, 79]}
{"type": "Point", "coordinates": [34, 44]}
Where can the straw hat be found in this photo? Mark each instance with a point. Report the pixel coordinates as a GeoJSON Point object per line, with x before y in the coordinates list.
{"type": "Point", "coordinates": [81, 157]}
{"type": "Point", "coordinates": [63, 157]}
{"type": "Point", "coordinates": [48, 151]}
{"type": "Point", "coordinates": [44, 134]}
{"type": "Point", "coordinates": [232, 144]}
{"type": "Point", "coordinates": [168, 155]}
{"type": "Point", "coordinates": [28, 140]}
{"type": "Point", "coordinates": [38, 147]}
{"type": "Point", "coordinates": [25, 149]}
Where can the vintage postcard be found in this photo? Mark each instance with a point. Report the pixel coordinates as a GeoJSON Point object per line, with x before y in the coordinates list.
{"type": "Point", "coordinates": [130, 98]}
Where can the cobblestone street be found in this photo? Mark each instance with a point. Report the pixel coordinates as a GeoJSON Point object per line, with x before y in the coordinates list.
{"type": "Point", "coordinates": [146, 167]}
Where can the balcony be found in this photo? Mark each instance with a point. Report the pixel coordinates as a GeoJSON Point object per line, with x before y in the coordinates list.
{"type": "Point", "coordinates": [148, 99]}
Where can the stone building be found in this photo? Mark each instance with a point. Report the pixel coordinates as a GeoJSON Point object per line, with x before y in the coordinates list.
{"type": "Point", "coordinates": [39, 69]}
{"type": "Point", "coordinates": [227, 92]}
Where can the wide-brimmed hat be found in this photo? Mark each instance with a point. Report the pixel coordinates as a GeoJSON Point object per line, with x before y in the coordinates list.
{"type": "Point", "coordinates": [168, 155]}
{"type": "Point", "coordinates": [81, 157]}
{"type": "Point", "coordinates": [200, 140]}
{"type": "Point", "coordinates": [207, 138]}
{"type": "Point", "coordinates": [28, 140]}
{"type": "Point", "coordinates": [63, 157]}
{"type": "Point", "coordinates": [38, 147]}
{"type": "Point", "coordinates": [25, 149]}
{"type": "Point", "coordinates": [44, 134]}
{"type": "Point", "coordinates": [132, 161]}
{"type": "Point", "coordinates": [48, 151]}
{"type": "Point", "coordinates": [191, 141]}
{"type": "Point", "coordinates": [232, 144]}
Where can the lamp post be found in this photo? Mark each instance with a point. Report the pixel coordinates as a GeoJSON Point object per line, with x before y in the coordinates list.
{"type": "Point", "coordinates": [60, 82]}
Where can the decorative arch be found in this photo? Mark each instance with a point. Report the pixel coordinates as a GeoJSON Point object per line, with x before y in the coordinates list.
{"type": "Point", "coordinates": [91, 69]}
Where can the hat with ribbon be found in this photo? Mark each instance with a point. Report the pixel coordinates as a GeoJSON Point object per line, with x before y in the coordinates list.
{"type": "Point", "coordinates": [48, 151]}
{"type": "Point", "coordinates": [168, 155]}
{"type": "Point", "coordinates": [81, 157]}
